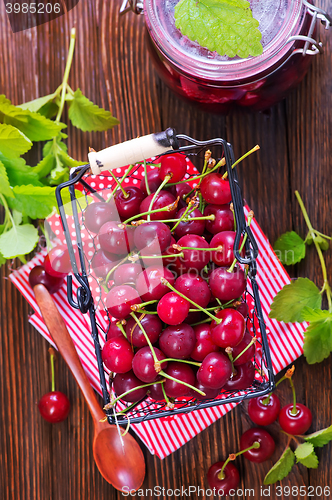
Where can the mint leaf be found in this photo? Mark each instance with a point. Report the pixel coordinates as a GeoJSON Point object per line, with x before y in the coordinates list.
{"type": "Point", "coordinates": [320, 438]}
{"type": "Point", "coordinates": [306, 455]}
{"type": "Point", "coordinates": [56, 162]}
{"type": "Point", "coordinates": [224, 26]}
{"type": "Point", "coordinates": [290, 248]}
{"type": "Point", "coordinates": [13, 142]}
{"type": "Point", "coordinates": [88, 116]}
{"type": "Point", "coordinates": [44, 167]}
{"type": "Point", "coordinates": [4, 182]}
{"type": "Point", "coordinates": [33, 201]}
{"type": "Point", "coordinates": [17, 217]}
{"type": "Point", "coordinates": [318, 336]}
{"type": "Point", "coordinates": [19, 240]}
{"type": "Point", "coordinates": [37, 104]}
{"type": "Point", "coordinates": [289, 302]}
{"type": "Point", "coordinates": [18, 172]}
{"type": "Point", "coordinates": [282, 468]}
{"type": "Point", "coordinates": [35, 126]}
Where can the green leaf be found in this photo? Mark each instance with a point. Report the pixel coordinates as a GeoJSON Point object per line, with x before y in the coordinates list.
{"type": "Point", "coordinates": [17, 217]}
{"type": "Point", "coordinates": [88, 116]}
{"type": "Point", "coordinates": [2, 259]}
{"type": "Point", "coordinates": [322, 242]}
{"type": "Point", "coordinates": [19, 240]}
{"type": "Point", "coordinates": [289, 302]}
{"type": "Point", "coordinates": [224, 26]}
{"type": "Point", "coordinates": [35, 126]}
{"type": "Point", "coordinates": [290, 248]}
{"type": "Point", "coordinates": [320, 438]}
{"type": "Point", "coordinates": [282, 468]}
{"type": "Point", "coordinates": [18, 172]}
{"type": "Point", "coordinates": [318, 336]}
{"type": "Point", "coordinates": [56, 162]}
{"type": "Point", "coordinates": [81, 203]}
{"type": "Point", "coordinates": [37, 104]}
{"type": "Point", "coordinates": [4, 182]}
{"type": "Point", "coordinates": [306, 455]}
{"type": "Point", "coordinates": [44, 167]}
{"type": "Point", "coordinates": [35, 202]}
{"type": "Point", "coordinates": [13, 142]}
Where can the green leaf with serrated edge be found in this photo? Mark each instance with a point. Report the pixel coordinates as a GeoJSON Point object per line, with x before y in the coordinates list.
{"type": "Point", "coordinates": [35, 202]}
{"type": "Point", "coordinates": [45, 166]}
{"type": "Point", "coordinates": [224, 26]}
{"type": "Point", "coordinates": [36, 104]}
{"type": "Point", "coordinates": [18, 172]}
{"type": "Point", "coordinates": [290, 248]}
{"type": "Point", "coordinates": [35, 126]}
{"type": "Point", "coordinates": [289, 302]}
{"type": "Point", "coordinates": [320, 438]}
{"type": "Point", "coordinates": [306, 456]}
{"type": "Point", "coordinates": [54, 146]}
{"type": "Point", "coordinates": [282, 468]}
{"type": "Point", "coordinates": [13, 142]}
{"type": "Point", "coordinates": [49, 110]}
{"type": "Point", "coordinates": [88, 116]}
{"type": "Point", "coordinates": [318, 336]}
{"type": "Point", "coordinates": [19, 240]}
{"type": "Point", "coordinates": [4, 182]}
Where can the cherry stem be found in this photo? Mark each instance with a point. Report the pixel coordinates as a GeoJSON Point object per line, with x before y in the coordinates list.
{"type": "Point", "coordinates": [165, 282]}
{"type": "Point", "coordinates": [207, 309]}
{"type": "Point", "coordinates": [127, 172]}
{"type": "Point", "coordinates": [290, 436]}
{"type": "Point", "coordinates": [165, 181]}
{"type": "Point", "coordinates": [220, 164]}
{"type": "Point", "coordinates": [256, 148]}
{"type": "Point", "coordinates": [165, 395]}
{"type": "Point", "coordinates": [201, 322]}
{"type": "Point", "coordinates": [189, 219]}
{"type": "Point", "coordinates": [253, 341]}
{"type": "Point", "coordinates": [147, 187]}
{"type": "Point", "coordinates": [181, 361]}
{"type": "Point", "coordinates": [114, 401]}
{"type": "Point", "coordinates": [156, 360]}
{"type": "Point", "coordinates": [322, 235]}
{"type": "Point", "coordinates": [294, 410]}
{"type": "Point", "coordinates": [232, 457]}
{"type": "Point", "coordinates": [144, 304]}
{"type": "Point", "coordinates": [178, 247]}
{"type": "Point", "coordinates": [163, 374]}
{"type": "Point", "coordinates": [250, 217]}
{"type": "Point", "coordinates": [125, 194]}
{"type": "Point", "coordinates": [163, 209]}
{"type": "Point", "coordinates": [326, 285]}
{"type": "Point", "coordinates": [181, 254]}
{"type": "Point", "coordinates": [53, 355]}
{"type": "Point", "coordinates": [229, 351]}
{"type": "Point", "coordinates": [120, 326]}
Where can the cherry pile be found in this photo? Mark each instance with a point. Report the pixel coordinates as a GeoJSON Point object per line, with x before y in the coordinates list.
{"type": "Point", "coordinates": [164, 259]}
{"type": "Point", "coordinates": [55, 268]}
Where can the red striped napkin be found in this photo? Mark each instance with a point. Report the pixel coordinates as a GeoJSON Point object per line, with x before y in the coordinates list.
{"type": "Point", "coordinates": [165, 435]}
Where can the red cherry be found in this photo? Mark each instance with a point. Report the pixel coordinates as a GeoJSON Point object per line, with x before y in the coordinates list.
{"type": "Point", "coordinates": [181, 372]}
{"type": "Point", "coordinates": [152, 238]}
{"type": "Point", "coordinates": [295, 424]}
{"type": "Point", "coordinates": [144, 364]}
{"type": "Point", "coordinates": [204, 343]}
{"type": "Point", "coordinates": [261, 436]}
{"type": "Point", "coordinates": [215, 189]}
{"type": "Point", "coordinates": [103, 262]}
{"type": "Point", "coordinates": [116, 238]}
{"type": "Point", "coordinates": [128, 206]}
{"type": "Point", "coordinates": [98, 213]}
{"type": "Point", "coordinates": [179, 191]}
{"type": "Point", "coordinates": [242, 378]}
{"type": "Point", "coordinates": [230, 481]}
{"type": "Point", "coordinates": [57, 262]}
{"type": "Point", "coordinates": [54, 407]}
{"type": "Point", "coordinates": [227, 285]}
{"type": "Point", "coordinates": [224, 240]}
{"type": "Point", "coordinates": [152, 326]}
{"type": "Point", "coordinates": [153, 181]}
{"type": "Point", "coordinates": [124, 382]}
{"type": "Point", "coordinates": [189, 227]}
{"type": "Point", "coordinates": [230, 331]}
{"type": "Point", "coordinates": [120, 299]}
{"type": "Point", "coordinates": [224, 218]}
{"type": "Point", "coordinates": [174, 165]}
{"type": "Point", "coordinates": [114, 331]}
{"type": "Point", "coordinates": [194, 259]}
{"type": "Point", "coordinates": [148, 283]}
{"type": "Point", "coordinates": [215, 370]}
{"type": "Point", "coordinates": [264, 414]}
{"type": "Point", "coordinates": [194, 287]}
{"type": "Point", "coordinates": [127, 273]}
{"type": "Point", "coordinates": [177, 341]}
{"type": "Point", "coordinates": [38, 275]}
{"type": "Point", "coordinates": [173, 309]}
{"type": "Point", "coordinates": [209, 393]}
{"type": "Point", "coordinates": [117, 355]}
{"type": "Point", "coordinates": [163, 199]}
{"type": "Point", "coordinates": [248, 354]}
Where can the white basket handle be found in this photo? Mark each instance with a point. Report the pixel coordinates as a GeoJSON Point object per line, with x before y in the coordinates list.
{"type": "Point", "coordinates": [130, 152]}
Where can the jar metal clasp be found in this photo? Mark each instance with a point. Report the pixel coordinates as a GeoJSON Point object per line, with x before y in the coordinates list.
{"type": "Point", "coordinates": [311, 46]}
{"type": "Point", "coordinates": [133, 5]}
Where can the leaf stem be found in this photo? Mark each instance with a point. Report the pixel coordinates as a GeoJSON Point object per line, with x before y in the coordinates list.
{"type": "Point", "coordinates": [326, 285]}
{"type": "Point", "coordinates": [66, 73]}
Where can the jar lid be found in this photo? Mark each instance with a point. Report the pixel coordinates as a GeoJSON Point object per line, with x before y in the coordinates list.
{"type": "Point", "coordinates": [278, 21]}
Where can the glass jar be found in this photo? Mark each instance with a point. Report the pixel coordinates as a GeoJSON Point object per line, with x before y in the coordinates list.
{"type": "Point", "coordinates": [218, 83]}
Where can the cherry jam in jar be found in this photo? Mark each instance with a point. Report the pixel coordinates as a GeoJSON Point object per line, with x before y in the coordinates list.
{"type": "Point", "coordinates": [218, 83]}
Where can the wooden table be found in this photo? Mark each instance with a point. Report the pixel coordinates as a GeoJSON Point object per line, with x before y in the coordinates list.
{"type": "Point", "coordinates": [112, 67]}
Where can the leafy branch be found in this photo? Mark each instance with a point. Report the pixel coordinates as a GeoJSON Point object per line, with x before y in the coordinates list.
{"type": "Point", "coordinates": [302, 300]}
{"type": "Point", "coordinates": [28, 193]}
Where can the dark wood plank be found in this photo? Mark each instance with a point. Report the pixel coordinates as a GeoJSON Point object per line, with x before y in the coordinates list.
{"type": "Point", "coordinates": [112, 67]}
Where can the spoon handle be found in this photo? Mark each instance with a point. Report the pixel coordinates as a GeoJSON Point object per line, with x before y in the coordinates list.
{"type": "Point", "coordinates": [64, 343]}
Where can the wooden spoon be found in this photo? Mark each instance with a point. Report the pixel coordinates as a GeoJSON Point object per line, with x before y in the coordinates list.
{"type": "Point", "coordinates": [121, 463]}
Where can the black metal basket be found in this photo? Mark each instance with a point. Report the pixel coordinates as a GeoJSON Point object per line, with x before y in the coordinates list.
{"type": "Point", "coordinates": [149, 409]}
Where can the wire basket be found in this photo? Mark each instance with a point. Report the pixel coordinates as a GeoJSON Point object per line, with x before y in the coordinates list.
{"type": "Point", "coordinates": [81, 188]}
